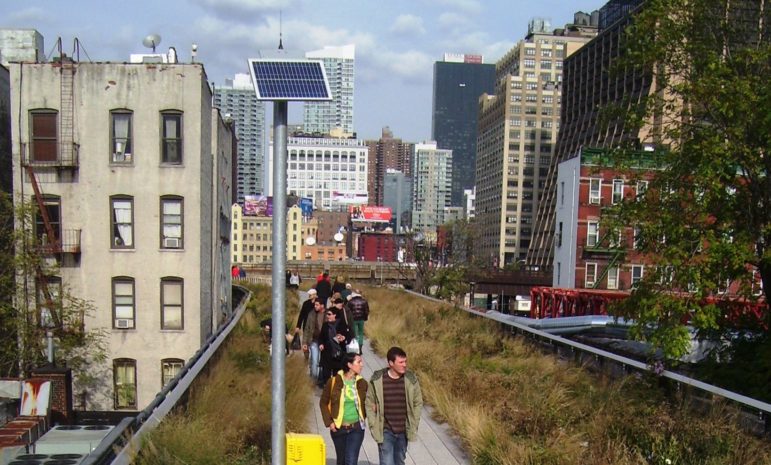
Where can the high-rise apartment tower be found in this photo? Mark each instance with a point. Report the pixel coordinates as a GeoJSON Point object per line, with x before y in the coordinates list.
{"type": "Point", "coordinates": [323, 117]}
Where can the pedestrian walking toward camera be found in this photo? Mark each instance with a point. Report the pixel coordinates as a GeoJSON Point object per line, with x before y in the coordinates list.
{"type": "Point", "coordinates": [324, 288]}
{"type": "Point", "coordinates": [310, 339]}
{"type": "Point", "coordinates": [333, 337]}
{"type": "Point", "coordinates": [342, 409]}
{"type": "Point", "coordinates": [394, 403]}
{"type": "Point", "coordinates": [358, 308]}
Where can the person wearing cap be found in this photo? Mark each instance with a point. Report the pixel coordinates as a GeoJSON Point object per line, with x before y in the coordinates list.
{"type": "Point", "coordinates": [345, 293]}
{"type": "Point", "coordinates": [305, 310]}
{"type": "Point", "coordinates": [358, 312]}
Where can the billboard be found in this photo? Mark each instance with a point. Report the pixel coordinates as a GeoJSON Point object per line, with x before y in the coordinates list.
{"type": "Point", "coordinates": [258, 205]}
{"type": "Point", "coordinates": [306, 205]}
{"type": "Point", "coordinates": [370, 213]}
{"type": "Point", "coordinates": [351, 198]}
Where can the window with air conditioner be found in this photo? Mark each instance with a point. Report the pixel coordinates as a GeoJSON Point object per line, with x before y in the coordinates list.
{"type": "Point", "coordinates": [123, 302]}
{"type": "Point", "coordinates": [120, 137]}
{"type": "Point", "coordinates": [172, 210]}
{"type": "Point", "coordinates": [124, 383]}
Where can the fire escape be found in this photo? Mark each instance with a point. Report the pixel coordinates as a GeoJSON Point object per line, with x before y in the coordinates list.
{"type": "Point", "coordinates": [612, 254]}
{"type": "Point", "coordinates": [53, 161]}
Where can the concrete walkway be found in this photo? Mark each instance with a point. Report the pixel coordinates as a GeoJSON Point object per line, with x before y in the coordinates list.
{"type": "Point", "coordinates": [436, 444]}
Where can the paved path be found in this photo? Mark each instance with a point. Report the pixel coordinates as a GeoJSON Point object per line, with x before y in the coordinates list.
{"type": "Point", "coordinates": [436, 444]}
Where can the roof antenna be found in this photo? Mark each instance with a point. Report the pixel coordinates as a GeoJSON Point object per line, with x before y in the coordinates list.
{"type": "Point", "coordinates": [280, 32]}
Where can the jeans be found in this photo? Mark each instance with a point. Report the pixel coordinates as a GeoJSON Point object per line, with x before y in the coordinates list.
{"type": "Point", "coordinates": [358, 330]}
{"type": "Point", "coordinates": [314, 360]}
{"type": "Point", "coordinates": [347, 445]}
{"type": "Point", "coordinates": [393, 450]}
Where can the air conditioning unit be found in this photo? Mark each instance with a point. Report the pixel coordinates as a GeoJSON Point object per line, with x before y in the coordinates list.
{"type": "Point", "coordinates": [172, 242]}
{"type": "Point", "coordinates": [123, 323]}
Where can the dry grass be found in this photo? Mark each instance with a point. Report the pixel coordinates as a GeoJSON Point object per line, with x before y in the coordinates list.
{"type": "Point", "coordinates": [510, 404]}
{"type": "Point", "coordinates": [228, 417]}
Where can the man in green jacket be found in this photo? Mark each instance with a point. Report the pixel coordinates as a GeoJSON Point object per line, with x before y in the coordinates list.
{"type": "Point", "coordinates": [394, 402]}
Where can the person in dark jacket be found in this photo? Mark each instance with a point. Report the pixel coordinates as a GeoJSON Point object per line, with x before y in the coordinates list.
{"type": "Point", "coordinates": [333, 337]}
{"type": "Point", "coordinates": [342, 409]}
{"type": "Point", "coordinates": [358, 309]}
{"type": "Point", "coordinates": [324, 289]}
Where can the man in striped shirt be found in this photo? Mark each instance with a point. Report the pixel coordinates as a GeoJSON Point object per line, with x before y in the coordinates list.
{"type": "Point", "coordinates": [394, 402]}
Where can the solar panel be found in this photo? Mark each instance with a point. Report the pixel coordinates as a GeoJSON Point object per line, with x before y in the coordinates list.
{"type": "Point", "coordinates": [289, 79]}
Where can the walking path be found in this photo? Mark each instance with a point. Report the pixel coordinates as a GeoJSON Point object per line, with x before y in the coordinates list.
{"type": "Point", "coordinates": [436, 444]}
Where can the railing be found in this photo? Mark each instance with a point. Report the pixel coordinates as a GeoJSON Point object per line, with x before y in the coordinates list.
{"type": "Point", "coordinates": [124, 441]}
{"type": "Point", "coordinates": [758, 413]}
{"type": "Point", "coordinates": [61, 159]}
{"type": "Point", "coordinates": [69, 242]}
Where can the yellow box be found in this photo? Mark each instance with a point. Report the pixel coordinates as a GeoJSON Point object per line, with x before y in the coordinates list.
{"type": "Point", "coordinates": [305, 449]}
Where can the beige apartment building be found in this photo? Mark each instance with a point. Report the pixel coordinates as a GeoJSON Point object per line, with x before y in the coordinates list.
{"type": "Point", "coordinates": [132, 165]}
{"type": "Point", "coordinates": [252, 236]}
{"type": "Point", "coordinates": [516, 139]}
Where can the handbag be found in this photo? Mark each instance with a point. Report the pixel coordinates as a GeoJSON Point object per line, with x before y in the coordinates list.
{"type": "Point", "coordinates": [296, 343]}
{"type": "Point", "coordinates": [353, 347]}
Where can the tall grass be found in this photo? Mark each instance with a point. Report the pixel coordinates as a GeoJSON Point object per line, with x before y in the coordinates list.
{"type": "Point", "coordinates": [228, 417]}
{"type": "Point", "coordinates": [511, 404]}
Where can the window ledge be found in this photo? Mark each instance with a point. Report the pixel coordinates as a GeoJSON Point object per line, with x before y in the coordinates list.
{"type": "Point", "coordinates": [171, 165]}
{"type": "Point", "coordinates": [172, 330]}
{"type": "Point", "coordinates": [121, 164]}
{"type": "Point", "coordinates": [122, 250]}
{"type": "Point", "coordinates": [162, 249]}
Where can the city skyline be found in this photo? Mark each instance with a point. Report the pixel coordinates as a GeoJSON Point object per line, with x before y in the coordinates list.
{"type": "Point", "coordinates": [394, 53]}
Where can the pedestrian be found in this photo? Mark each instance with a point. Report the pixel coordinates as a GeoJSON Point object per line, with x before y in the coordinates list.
{"type": "Point", "coordinates": [342, 409]}
{"type": "Point", "coordinates": [339, 285]}
{"type": "Point", "coordinates": [305, 309]}
{"type": "Point", "coordinates": [333, 337]}
{"type": "Point", "coordinates": [394, 403]}
{"type": "Point", "coordinates": [324, 288]}
{"type": "Point", "coordinates": [294, 280]}
{"type": "Point", "coordinates": [234, 271]}
{"type": "Point", "coordinates": [345, 293]}
{"type": "Point", "coordinates": [310, 339]}
{"type": "Point", "coordinates": [286, 277]}
{"type": "Point", "coordinates": [358, 310]}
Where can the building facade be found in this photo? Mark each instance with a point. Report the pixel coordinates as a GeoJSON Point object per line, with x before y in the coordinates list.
{"type": "Point", "coordinates": [238, 100]}
{"type": "Point", "coordinates": [517, 136]}
{"type": "Point", "coordinates": [397, 194]}
{"type": "Point", "coordinates": [331, 171]}
{"type": "Point", "coordinates": [26, 45]}
{"type": "Point", "coordinates": [431, 188]}
{"type": "Point", "coordinates": [384, 154]}
{"type": "Point", "coordinates": [459, 81]}
{"type": "Point", "coordinates": [132, 164]}
{"type": "Point", "coordinates": [252, 236]}
{"type": "Point", "coordinates": [323, 117]}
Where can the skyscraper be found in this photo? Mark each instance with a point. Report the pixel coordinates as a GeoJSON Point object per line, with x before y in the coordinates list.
{"type": "Point", "coordinates": [384, 154]}
{"type": "Point", "coordinates": [238, 100]}
{"type": "Point", "coordinates": [459, 81]}
{"type": "Point", "coordinates": [517, 135]}
{"type": "Point", "coordinates": [322, 117]}
{"type": "Point", "coordinates": [432, 179]}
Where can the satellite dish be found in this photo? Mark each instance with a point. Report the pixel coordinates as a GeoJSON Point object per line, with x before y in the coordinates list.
{"type": "Point", "coordinates": [151, 41]}
{"type": "Point", "coordinates": [310, 240]}
{"type": "Point", "coordinates": [338, 237]}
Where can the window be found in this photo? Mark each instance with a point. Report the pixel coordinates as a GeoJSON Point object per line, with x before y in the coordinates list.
{"type": "Point", "coordinates": [637, 274]}
{"type": "Point", "coordinates": [642, 186]}
{"type": "Point", "coordinates": [120, 137]}
{"type": "Point", "coordinates": [618, 190]}
{"type": "Point", "coordinates": [590, 276]}
{"type": "Point", "coordinates": [637, 238]}
{"type": "Point", "coordinates": [595, 185]}
{"type": "Point", "coordinates": [125, 383]}
{"type": "Point", "coordinates": [123, 302]}
{"type": "Point", "coordinates": [171, 222]}
{"type": "Point", "coordinates": [613, 278]}
{"type": "Point", "coordinates": [559, 235]}
{"type": "Point", "coordinates": [562, 193]}
{"type": "Point", "coordinates": [170, 368]}
{"type": "Point", "coordinates": [171, 137]}
{"type": "Point", "coordinates": [49, 301]}
{"type": "Point", "coordinates": [592, 234]}
{"type": "Point", "coordinates": [53, 209]}
{"type": "Point", "coordinates": [122, 222]}
{"type": "Point", "coordinates": [172, 313]}
{"type": "Point", "coordinates": [44, 136]}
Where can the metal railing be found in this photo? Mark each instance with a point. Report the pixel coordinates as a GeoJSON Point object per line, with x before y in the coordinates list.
{"type": "Point", "coordinates": [124, 441]}
{"type": "Point", "coordinates": [704, 391]}
{"type": "Point", "coordinates": [63, 158]}
{"type": "Point", "coordinates": [69, 242]}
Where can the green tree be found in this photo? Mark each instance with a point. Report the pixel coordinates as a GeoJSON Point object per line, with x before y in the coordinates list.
{"type": "Point", "coordinates": [705, 220]}
{"type": "Point", "coordinates": [28, 315]}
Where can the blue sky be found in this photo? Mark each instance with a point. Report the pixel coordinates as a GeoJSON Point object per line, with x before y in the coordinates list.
{"type": "Point", "coordinates": [397, 41]}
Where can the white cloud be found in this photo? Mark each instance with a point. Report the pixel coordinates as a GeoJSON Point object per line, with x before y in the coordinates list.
{"type": "Point", "coordinates": [242, 9]}
{"type": "Point", "coordinates": [408, 24]}
{"type": "Point", "coordinates": [467, 6]}
{"type": "Point", "coordinates": [28, 17]}
{"type": "Point", "coordinates": [453, 21]}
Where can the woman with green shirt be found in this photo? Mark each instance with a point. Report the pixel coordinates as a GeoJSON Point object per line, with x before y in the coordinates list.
{"type": "Point", "coordinates": [342, 409]}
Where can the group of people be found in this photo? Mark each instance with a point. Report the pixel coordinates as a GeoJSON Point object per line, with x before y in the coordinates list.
{"type": "Point", "coordinates": [332, 325]}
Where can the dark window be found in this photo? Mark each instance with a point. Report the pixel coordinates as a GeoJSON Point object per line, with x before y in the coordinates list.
{"type": "Point", "coordinates": [44, 136]}
{"type": "Point", "coordinates": [125, 383]}
{"type": "Point", "coordinates": [171, 137]}
{"type": "Point", "coordinates": [122, 222]}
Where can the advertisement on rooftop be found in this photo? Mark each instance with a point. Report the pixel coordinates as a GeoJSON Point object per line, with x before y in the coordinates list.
{"type": "Point", "coordinates": [370, 213]}
{"type": "Point", "coordinates": [258, 205]}
{"type": "Point", "coordinates": [350, 198]}
{"type": "Point", "coordinates": [306, 205]}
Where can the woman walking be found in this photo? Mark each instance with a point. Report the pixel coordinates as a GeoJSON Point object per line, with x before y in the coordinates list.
{"type": "Point", "coordinates": [342, 409]}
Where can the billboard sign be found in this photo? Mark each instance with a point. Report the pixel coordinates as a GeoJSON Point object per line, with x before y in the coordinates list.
{"type": "Point", "coordinates": [350, 198]}
{"type": "Point", "coordinates": [370, 213]}
{"type": "Point", "coordinates": [306, 205]}
{"type": "Point", "coordinates": [258, 205]}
